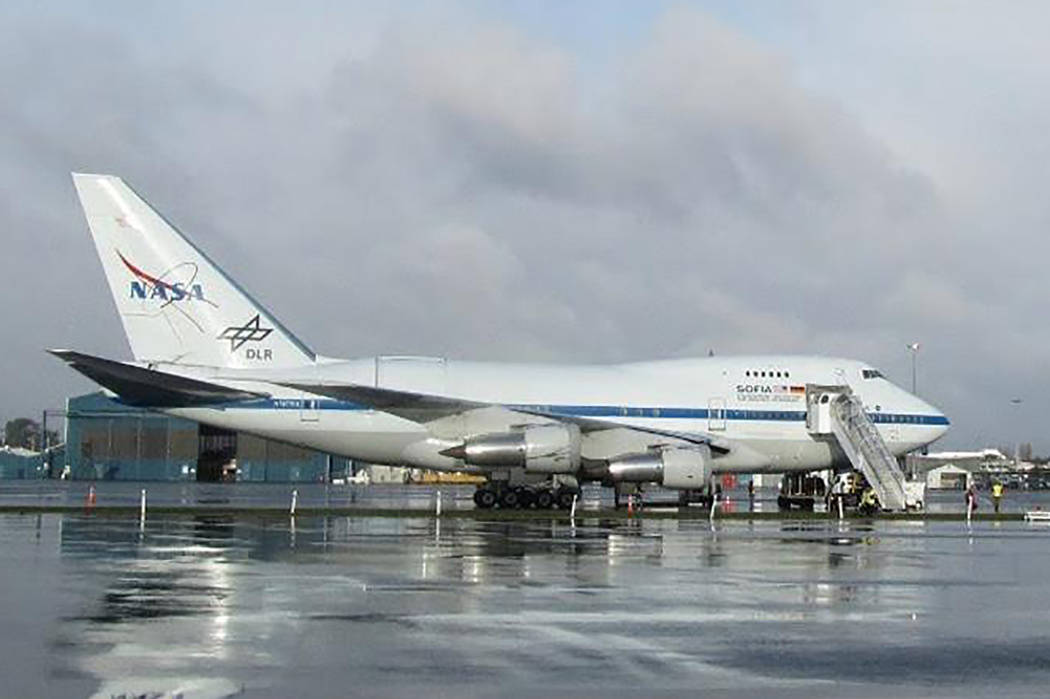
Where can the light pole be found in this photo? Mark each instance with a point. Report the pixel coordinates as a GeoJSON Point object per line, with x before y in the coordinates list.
{"type": "Point", "coordinates": [914, 347]}
{"type": "Point", "coordinates": [1016, 402]}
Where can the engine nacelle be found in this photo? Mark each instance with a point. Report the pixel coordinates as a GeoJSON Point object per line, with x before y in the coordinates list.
{"type": "Point", "coordinates": [536, 448]}
{"type": "Point", "coordinates": [685, 468]}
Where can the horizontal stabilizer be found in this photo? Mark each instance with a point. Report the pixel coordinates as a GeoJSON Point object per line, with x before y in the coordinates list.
{"type": "Point", "coordinates": [149, 388]}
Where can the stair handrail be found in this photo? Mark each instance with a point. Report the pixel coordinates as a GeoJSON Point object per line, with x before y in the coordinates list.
{"type": "Point", "coordinates": [862, 437]}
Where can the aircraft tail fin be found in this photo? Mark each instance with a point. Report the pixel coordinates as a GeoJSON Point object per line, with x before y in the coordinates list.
{"type": "Point", "coordinates": [177, 305]}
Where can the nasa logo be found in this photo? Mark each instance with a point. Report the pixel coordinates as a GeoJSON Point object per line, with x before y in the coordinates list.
{"type": "Point", "coordinates": [150, 288]}
{"type": "Point", "coordinates": [166, 292]}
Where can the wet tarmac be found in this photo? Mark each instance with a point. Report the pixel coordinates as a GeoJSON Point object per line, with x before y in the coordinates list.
{"type": "Point", "coordinates": [320, 496]}
{"type": "Point", "coordinates": [242, 496]}
{"type": "Point", "coordinates": [357, 606]}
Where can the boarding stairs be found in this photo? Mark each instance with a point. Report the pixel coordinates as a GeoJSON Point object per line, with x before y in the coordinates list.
{"type": "Point", "coordinates": [838, 411]}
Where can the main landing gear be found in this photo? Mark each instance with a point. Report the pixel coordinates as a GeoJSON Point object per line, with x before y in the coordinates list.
{"type": "Point", "coordinates": [523, 497]}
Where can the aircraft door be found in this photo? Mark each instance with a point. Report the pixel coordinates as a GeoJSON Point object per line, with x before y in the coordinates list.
{"type": "Point", "coordinates": [716, 414]}
{"type": "Point", "coordinates": [309, 408]}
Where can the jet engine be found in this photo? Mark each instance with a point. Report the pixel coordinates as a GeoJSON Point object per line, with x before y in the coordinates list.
{"type": "Point", "coordinates": [537, 448]}
{"type": "Point", "coordinates": [683, 468]}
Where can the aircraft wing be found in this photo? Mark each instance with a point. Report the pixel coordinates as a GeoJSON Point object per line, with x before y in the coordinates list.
{"type": "Point", "coordinates": [150, 388]}
{"type": "Point", "coordinates": [417, 407]}
{"type": "Point", "coordinates": [425, 408]}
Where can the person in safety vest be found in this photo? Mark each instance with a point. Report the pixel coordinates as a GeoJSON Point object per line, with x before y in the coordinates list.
{"type": "Point", "coordinates": [997, 495]}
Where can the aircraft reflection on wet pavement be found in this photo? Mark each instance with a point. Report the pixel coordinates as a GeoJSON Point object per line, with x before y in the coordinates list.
{"type": "Point", "coordinates": [468, 552]}
{"type": "Point", "coordinates": [280, 607]}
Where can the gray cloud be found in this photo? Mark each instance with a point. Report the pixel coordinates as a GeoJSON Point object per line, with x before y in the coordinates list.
{"type": "Point", "coordinates": [388, 182]}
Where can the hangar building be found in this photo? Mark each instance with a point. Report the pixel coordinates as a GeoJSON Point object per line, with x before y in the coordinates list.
{"type": "Point", "coordinates": [16, 463]}
{"type": "Point", "coordinates": [106, 440]}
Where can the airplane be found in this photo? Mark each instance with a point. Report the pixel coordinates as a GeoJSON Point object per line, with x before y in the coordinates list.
{"type": "Point", "coordinates": [205, 350]}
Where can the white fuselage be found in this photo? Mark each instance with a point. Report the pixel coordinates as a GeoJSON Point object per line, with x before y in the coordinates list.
{"type": "Point", "coordinates": [183, 315]}
{"type": "Point", "coordinates": [758, 402]}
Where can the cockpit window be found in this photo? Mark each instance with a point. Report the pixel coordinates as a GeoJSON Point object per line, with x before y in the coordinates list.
{"type": "Point", "coordinates": [871, 374]}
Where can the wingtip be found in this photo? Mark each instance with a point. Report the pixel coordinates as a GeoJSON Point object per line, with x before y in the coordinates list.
{"type": "Point", "coordinates": [65, 355]}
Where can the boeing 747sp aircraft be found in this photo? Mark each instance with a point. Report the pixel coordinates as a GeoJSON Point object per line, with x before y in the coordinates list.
{"type": "Point", "coordinates": [204, 349]}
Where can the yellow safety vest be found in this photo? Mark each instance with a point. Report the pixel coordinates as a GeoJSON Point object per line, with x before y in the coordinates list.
{"type": "Point", "coordinates": [997, 490]}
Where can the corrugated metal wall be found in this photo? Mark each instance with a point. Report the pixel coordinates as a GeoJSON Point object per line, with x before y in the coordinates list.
{"type": "Point", "coordinates": [15, 466]}
{"type": "Point", "coordinates": [109, 441]}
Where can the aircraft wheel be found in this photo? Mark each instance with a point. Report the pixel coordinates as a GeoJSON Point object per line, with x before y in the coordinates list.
{"type": "Point", "coordinates": [526, 496]}
{"type": "Point", "coordinates": [544, 499]}
{"type": "Point", "coordinates": [564, 498]}
{"type": "Point", "coordinates": [509, 500]}
{"type": "Point", "coordinates": [484, 498]}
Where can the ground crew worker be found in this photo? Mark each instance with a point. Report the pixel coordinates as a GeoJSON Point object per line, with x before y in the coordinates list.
{"type": "Point", "coordinates": [868, 502]}
{"type": "Point", "coordinates": [997, 495]}
{"type": "Point", "coordinates": [971, 499]}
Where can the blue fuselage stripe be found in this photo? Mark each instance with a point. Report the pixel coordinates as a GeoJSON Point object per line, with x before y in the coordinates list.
{"type": "Point", "coordinates": [608, 411]}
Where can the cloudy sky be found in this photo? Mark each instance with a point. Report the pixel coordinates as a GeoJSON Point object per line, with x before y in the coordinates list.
{"type": "Point", "coordinates": [593, 181]}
